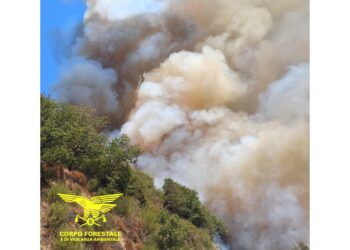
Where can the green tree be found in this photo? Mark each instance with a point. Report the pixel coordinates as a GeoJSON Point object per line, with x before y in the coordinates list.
{"type": "Point", "coordinates": [70, 135]}
{"type": "Point", "coordinates": [119, 154]}
{"type": "Point", "coordinates": [181, 201]}
{"type": "Point", "coordinates": [185, 203]}
{"type": "Point", "coordinates": [172, 234]}
{"type": "Point", "coordinates": [142, 188]}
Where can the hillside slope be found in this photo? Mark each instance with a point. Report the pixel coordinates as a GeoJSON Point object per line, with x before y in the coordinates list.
{"type": "Point", "coordinates": [78, 158]}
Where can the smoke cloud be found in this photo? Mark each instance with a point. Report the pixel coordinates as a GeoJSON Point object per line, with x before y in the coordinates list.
{"type": "Point", "coordinates": [85, 82]}
{"type": "Point", "coordinates": [216, 93]}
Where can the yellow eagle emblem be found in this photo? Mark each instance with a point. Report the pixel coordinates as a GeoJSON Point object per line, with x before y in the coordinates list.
{"type": "Point", "coordinates": [92, 207]}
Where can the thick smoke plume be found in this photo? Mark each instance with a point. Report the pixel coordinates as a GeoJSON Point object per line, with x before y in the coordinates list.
{"type": "Point", "coordinates": [216, 93]}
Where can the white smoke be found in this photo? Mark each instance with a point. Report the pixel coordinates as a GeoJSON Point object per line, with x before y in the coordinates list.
{"type": "Point", "coordinates": [288, 98]}
{"type": "Point", "coordinates": [250, 169]}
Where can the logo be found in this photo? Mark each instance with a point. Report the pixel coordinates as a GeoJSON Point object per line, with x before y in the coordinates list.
{"type": "Point", "coordinates": [94, 208]}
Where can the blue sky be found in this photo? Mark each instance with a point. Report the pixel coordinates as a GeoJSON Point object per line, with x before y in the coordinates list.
{"type": "Point", "coordinates": [57, 17]}
{"type": "Point", "coordinates": [123, 8]}
{"type": "Point", "coordinates": [58, 21]}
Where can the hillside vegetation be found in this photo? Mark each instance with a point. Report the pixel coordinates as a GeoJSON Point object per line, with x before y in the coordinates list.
{"type": "Point", "coordinates": [77, 157]}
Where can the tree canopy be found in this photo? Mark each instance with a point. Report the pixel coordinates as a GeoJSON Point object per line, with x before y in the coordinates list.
{"type": "Point", "coordinates": [185, 203]}
{"type": "Point", "coordinates": [72, 136]}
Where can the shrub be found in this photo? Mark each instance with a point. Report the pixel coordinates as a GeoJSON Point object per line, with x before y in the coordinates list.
{"type": "Point", "coordinates": [142, 188]}
{"type": "Point", "coordinates": [78, 177]}
{"type": "Point", "coordinates": [181, 201]}
{"type": "Point", "coordinates": [71, 137]}
{"type": "Point", "coordinates": [151, 221]}
{"type": "Point", "coordinates": [150, 244]}
{"type": "Point", "coordinates": [93, 185]}
{"type": "Point", "coordinates": [212, 224]}
{"type": "Point", "coordinates": [54, 190]}
{"type": "Point", "coordinates": [172, 234]}
{"type": "Point", "coordinates": [70, 134]}
{"type": "Point", "coordinates": [128, 206]}
{"type": "Point", "coordinates": [199, 239]}
{"type": "Point", "coordinates": [58, 214]}
{"type": "Point", "coordinates": [185, 203]}
{"type": "Point", "coordinates": [47, 174]}
{"type": "Point", "coordinates": [114, 171]}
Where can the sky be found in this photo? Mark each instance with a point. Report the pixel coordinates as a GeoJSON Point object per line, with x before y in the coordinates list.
{"type": "Point", "coordinates": [124, 8]}
{"type": "Point", "coordinates": [58, 20]}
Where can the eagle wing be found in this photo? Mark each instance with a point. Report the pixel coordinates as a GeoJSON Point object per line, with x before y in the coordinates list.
{"type": "Point", "coordinates": [106, 207]}
{"type": "Point", "coordinates": [105, 198]}
{"type": "Point", "coordinates": [81, 200]}
{"type": "Point", "coordinates": [68, 197]}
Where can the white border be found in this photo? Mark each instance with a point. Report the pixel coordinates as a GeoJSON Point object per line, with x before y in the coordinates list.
{"type": "Point", "coordinates": [19, 131]}
{"type": "Point", "coordinates": [330, 125]}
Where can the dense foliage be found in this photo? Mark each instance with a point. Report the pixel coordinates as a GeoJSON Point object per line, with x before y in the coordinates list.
{"type": "Point", "coordinates": [185, 203]}
{"type": "Point", "coordinates": [77, 156]}
{"type": "Point", "coordinates": [71, 136]}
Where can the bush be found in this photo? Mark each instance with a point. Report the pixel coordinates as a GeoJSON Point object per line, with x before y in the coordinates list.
{"type": "Point", "coordinates": [199, 240]}
{"type": "Point", "coordinates": [212, 224]}
{"type": "Point", "coordinates": [54, 190]}
{"type": "Point", "coordinates": [149, 244]}
{"type": "Point", "coordinates": [181, 201]}
{"type": "Point", "coordinates": [142, 188]}
{"type": "Point", "coordinates": [172, 234]}
{"type": "Point", "coordinates": [115, 169]}
{"type": "Point", "coordinates": [58, 214]}
{"type": "Point", "coordinates": [185, 203]}
{"type": "Point", "coordinates": [71, 136]}
{"type": "Point", "coordinates": [150, 220]}
{"type": "Point", "coordinates": [47, 174]}
{"type": "Point", "coordinates": [93, 185]}
{"type": "Point", "coordinates": [128, 206]}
